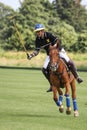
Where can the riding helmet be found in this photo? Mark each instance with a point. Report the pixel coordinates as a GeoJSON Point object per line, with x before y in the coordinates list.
{"type": "Point", "coordinates": [39, 27]}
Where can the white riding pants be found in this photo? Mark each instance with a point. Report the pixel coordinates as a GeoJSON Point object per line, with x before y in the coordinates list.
{"type": "Point", "coordinates": [62, 54]}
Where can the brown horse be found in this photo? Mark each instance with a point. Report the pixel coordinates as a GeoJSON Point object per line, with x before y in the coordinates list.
{"type": "Point", "coordinates": [60, 78]}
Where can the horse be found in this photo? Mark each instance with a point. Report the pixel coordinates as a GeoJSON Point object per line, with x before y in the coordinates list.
{"type": "Point", "coordinates": [61, 77]}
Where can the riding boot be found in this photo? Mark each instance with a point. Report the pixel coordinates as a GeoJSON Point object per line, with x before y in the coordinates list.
{"type": "Point", "coordinates": [72, 68]}
{"type": "Point", "coordinates": [47, 75]}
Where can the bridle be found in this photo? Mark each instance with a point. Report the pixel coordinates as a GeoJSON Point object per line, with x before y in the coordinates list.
{"type": "Point", "coordinates": [54, 66]}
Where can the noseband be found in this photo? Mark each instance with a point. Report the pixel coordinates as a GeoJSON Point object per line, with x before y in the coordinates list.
{"type": "Point", "coordinates": [54, 67]}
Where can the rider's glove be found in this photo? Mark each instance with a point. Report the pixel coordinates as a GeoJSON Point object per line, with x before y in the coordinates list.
{"type": "Point", "coordinates": [29, 56]}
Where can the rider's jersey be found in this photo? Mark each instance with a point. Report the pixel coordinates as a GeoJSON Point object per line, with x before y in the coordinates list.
{"type": "Point", "coordinates": [45, 42]}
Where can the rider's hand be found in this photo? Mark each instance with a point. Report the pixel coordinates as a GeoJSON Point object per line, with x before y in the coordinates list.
{"type": "Point", "coordinates": [29, 56]}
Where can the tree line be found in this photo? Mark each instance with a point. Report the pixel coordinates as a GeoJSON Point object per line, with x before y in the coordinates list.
{"type": "Point", "coordinates": [65, 18]}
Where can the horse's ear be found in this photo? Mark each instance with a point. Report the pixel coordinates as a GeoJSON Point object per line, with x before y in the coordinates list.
{"type": "Point", "coordinates": [57, 44]}
{"type": "Point", "coordinates": [50, 46]}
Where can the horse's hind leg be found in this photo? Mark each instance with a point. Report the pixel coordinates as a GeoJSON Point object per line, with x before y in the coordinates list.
{"type": "Point", "coordinates": [57, 100]}
{"type": "Point", "coordinates": [75, 107]}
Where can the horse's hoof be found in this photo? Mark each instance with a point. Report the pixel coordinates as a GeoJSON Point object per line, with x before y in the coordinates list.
{"type": "Point", "coordinates": [68, 111]}
{"type": "Point", "coordinates": [76, 114]}
{"type": "Point", "coordinates": [61, 109]}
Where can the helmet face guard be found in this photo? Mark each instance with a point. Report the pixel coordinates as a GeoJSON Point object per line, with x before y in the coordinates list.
{"type": "Point", "coordinates": [39, 27]}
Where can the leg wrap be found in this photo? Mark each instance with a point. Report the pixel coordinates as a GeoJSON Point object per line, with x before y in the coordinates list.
{"type": "Point", "coordinates": [60, 98]}
{"type": "Point", "coordinates": [67, 100]}
{"type": "Point", "coordinates": [59, 101]}
{"type": "Point", "coordinates": [75, 107]}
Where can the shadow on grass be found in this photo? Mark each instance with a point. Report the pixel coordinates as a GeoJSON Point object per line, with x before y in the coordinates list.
{"type": "Point", "coordinates": [35, 115]}
{"type": "Point", "coordinates": [36, 68]}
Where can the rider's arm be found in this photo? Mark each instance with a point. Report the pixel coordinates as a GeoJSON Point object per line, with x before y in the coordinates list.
{"type": "Point", "coordinates": [55, 40]}
{"type": "Point", "coordinates": [35, 53]}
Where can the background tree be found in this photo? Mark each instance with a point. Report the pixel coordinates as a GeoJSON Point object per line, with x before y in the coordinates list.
{"type": "Point", "coordinates": [4, 12]}
{"type": "Point", "coordinates": [72, 12]}
{"type": "Point", "coordinates": [66, 23]}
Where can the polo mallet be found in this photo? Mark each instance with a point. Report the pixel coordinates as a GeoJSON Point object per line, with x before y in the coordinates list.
{"type": "Point", "coordinates": [19, 36]}
{"type": "Point", "coordinates": [21, 40]}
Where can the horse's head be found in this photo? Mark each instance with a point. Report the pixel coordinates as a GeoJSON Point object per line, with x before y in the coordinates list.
{"type": "Point", "coordinates": [54, 57]}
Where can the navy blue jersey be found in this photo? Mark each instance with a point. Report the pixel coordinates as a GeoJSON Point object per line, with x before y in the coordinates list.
{"type": "Point", "coordinates": [45, 42]}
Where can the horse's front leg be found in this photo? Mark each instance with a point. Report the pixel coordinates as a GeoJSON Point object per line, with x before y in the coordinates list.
{"type": "Point", "coordinates": [67, 95]}
{"type": "Point", "coordinates": [57, 100]}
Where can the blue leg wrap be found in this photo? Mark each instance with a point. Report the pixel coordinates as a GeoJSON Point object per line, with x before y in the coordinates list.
{"type": "Point", "coordinates": [75, 105]}
{"type": "Point", "coordinates": [67, 100]}
{"type": "Point", "coordinates": [60, 98]}
{"type": "Point", "coordinates": [59, 102]}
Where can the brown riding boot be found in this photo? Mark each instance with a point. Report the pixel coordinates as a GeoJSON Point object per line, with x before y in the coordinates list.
{"type": "Point", "coordinates": [50, 89]}
{"type": "Point", "coordinates": [47, 75]}
{"type": "Point", "coordinates": [72, 68]}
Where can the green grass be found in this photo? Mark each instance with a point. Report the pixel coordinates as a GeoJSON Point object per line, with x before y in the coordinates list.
{"type": "Point", "coordinates": [25, 105]}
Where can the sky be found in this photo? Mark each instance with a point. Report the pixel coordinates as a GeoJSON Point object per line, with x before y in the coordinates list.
{"type": "Point", "coordinates": [15, 3]}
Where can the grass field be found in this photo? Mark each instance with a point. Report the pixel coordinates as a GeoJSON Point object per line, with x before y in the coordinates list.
{"type": "Point", "coordinates": [25, 105]}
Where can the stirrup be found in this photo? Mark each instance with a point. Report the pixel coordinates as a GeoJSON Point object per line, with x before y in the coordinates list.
{"type": "Point", "coordinates": [79, 80]}
{"type": "Point", "coordinates": [49, 90]}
